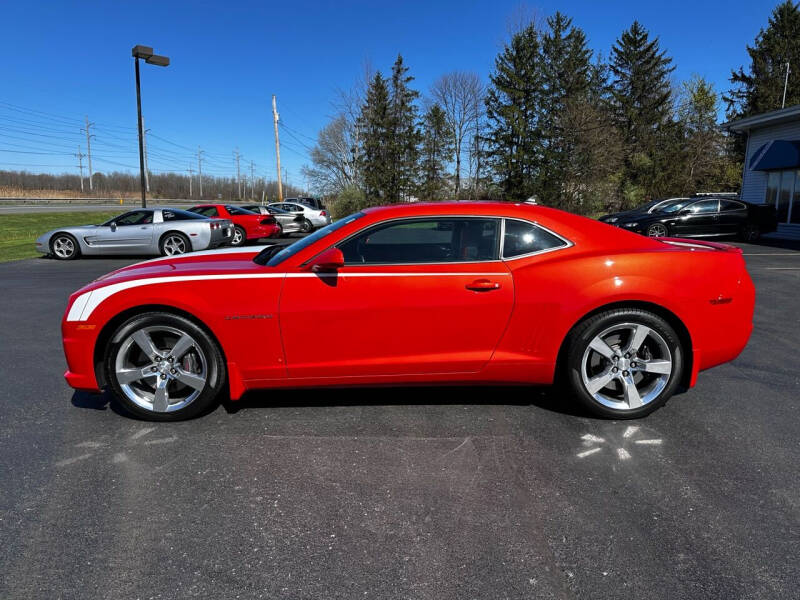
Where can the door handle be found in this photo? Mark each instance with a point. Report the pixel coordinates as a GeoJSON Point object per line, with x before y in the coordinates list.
{"type": "Point", "coordinates": [483, 285]}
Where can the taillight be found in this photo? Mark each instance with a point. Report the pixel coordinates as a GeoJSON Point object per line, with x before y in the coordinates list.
{"type": "Point", "coordinates": [215, 225]}
{"type": "Point", "coordinates": [268, 221]}
{"type": "Point", "coordinates": [323, 214]}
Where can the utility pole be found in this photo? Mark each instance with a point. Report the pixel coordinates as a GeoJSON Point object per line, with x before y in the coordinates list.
{"type": "Point", "coordinates": [238, 173]}
{"type": "Point", "coordinates": [144, 147]}
{"type": "Point", "coordinates": [190, 171]}
{"type": "Point", "coordinates": [785, 84]}
{"type": "Point", "coordinates": [277, 147]}
{"type": "Point", "coordinates": [89, 149]}
{"type": "Point", "coordinates": [200, 170]}
{"type": "Point", "coordinates": [252, 178]}
{"type": "Point", "coordinates": [80, 165]}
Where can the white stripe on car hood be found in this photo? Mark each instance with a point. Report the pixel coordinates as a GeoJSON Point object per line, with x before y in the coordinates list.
{"type": "Point", "coordinates": [86, 303]}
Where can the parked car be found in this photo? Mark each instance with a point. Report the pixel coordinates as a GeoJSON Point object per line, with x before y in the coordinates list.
{"type": "Point", "coordinates": [314, 203]}
{"type": "Point", "coordinates": [647, 208]}
{"type": "Point", "coordinates": [166, 231]}
{"type": "Point", "coordinates": [450, 292]}
{"type": "Point", "coordinates": [247, 224]}
{"type": "Point", "coordinates": [289, 222]}
{"type": "Point", "coordinates": [704, 217]}
{"type": "Point", "coordinates": [313, 217]}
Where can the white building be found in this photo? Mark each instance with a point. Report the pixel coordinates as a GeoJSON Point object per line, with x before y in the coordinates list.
{"type": "Point", "coordinates": [772, 164]}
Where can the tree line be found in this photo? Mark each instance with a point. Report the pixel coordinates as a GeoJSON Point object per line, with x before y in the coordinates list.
{"type": "Point", "coordinates": [162, 185]}
{"type": "Point", "coordinates": [555, 122]}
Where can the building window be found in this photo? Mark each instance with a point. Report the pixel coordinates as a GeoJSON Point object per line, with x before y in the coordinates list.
{"type": "Point", "coordinates": [783, 192]}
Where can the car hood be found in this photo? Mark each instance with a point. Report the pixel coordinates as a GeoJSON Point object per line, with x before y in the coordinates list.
{"type": "Point", "coordinates": [212, 262]}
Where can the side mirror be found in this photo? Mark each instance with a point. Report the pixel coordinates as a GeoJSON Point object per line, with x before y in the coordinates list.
{"type": "Point", "coordinates": [330, 260]}
{"type": "Point", "coordinates": [113, 226]}
{"type": "Point", "coordinates": [685, 211]}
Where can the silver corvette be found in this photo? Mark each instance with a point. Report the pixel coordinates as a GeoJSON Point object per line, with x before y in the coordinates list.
{"type": "Point", "coordinates": [151, 231]}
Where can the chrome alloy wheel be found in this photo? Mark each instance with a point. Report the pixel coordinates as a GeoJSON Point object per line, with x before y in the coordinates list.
{"type": "Point", "coordinates": [238, 237]}
{"type": "Point", "coordinates": [657, 230]}
{"type": "Point", "coordinates": [174, 244]}
{"type": "Point", "coordinates": [63, 247]}
{"type": "Point", "coordinates": [161, 369]}
{"type": "Point", "coordinates": [626, 366]}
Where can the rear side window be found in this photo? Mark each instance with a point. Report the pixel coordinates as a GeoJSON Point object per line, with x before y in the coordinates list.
{"type": "Point", "coordinates": [418, 241]}
{"type": "Point", "coordinates": [179, 215]}
{"type": "Point", "coordinates": [729, 205]}
{"type": "Point", "coordinates": [522, 238]}
{"type": "Point", "coordinates": [235, 210]}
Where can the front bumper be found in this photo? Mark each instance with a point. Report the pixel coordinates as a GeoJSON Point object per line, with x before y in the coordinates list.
{"type": "Point", "coordinates": [79, 341]}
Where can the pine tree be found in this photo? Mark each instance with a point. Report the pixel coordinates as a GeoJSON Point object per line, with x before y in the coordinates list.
{"type": "Point", "coordinates": [374, 128]}
{"type": "Point", "coordinates": [566, 70]}
{"type": "Point", "coordinates": [437, 149]}
{"type": "Point", "coordinates": [760, 89]}
{"type": "Point", "coordinates": [642, 98]}
{"type": "Point", "coordinates": [404, 137]}
{"type": "Point", "coordinates": [512, 105]}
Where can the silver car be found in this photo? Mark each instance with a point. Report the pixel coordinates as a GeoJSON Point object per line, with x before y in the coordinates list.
{"type": "Point", "coordinates": [312, 217]}
{"type": "Point", "coordinates": [289, 222]}
{"type": "Point", "coordinates": [166, 231]}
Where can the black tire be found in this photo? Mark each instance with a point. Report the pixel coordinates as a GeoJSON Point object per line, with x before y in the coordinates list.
{"type": "Point", "coordinates": [280, 231]}
{"type": "Point", "coordinates": [171, 242]}
{"type": "Point", "coordinates": [658, 230]}
{"type": "Point", "coordinates": [579, 358]}
{"type": "Point", "coordinates": [239, 237]}
{"type": "Point", "coordinates": [750, 233]}
{"type": "Point", "coordinates": [64, 246]}
{"type": "Point", "coordinates": [205, 355]}
{"type": "Point", "coordinates": [306, 227]}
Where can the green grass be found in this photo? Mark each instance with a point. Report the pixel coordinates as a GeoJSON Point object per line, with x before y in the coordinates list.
{"type": "Point", "coordinates": [19, 232]}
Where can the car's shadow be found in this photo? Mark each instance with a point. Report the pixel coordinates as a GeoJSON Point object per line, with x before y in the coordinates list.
{"type": "Point", "coordinates": [545, 397]}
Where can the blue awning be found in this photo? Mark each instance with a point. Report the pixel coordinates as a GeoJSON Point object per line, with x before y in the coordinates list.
{"type": "Point", "coordinates": [777, 154]}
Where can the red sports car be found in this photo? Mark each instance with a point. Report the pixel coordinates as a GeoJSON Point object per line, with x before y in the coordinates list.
{"type": "Point", "coordinates": [248, 225]}
{"type": "Point", "coordinates": [480, 293]}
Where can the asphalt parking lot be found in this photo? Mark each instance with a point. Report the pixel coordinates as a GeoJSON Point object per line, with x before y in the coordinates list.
{"type": "Point", "coordinates": [399, 493]}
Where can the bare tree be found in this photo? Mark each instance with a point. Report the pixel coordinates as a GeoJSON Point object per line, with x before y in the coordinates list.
{"type": "Point", "coordinates": [334, 164]}
{"type": "Point", "coordinates": [460, 94]}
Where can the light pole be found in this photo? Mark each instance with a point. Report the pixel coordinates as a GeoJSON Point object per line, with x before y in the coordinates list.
{"type": "Point", "coordinates": [146, 53]}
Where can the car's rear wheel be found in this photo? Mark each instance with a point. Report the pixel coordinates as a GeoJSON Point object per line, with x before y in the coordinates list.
{"type": "Point", "coordinates": [239, 236]}
{"type": "Point", "coordinates": [279, 233]}
{"type": "Point", "coordinates": [657, 230]}
{"type": "Point", "coordinates": [306, 226]}
{"type": "Point", "coordinates": [750, 233]}
{"type": "Point", "coordinates": [64, 247]}
{"type": "Point", "coordinates": [175, 243]}
{"type": "Point", "coordinates": [163, 367]}
{"type": "Point", "coordinates": [624, 363]}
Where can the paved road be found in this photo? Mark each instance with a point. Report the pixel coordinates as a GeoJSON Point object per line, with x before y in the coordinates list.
{"type": "Point", "coordinates": [399, 493]}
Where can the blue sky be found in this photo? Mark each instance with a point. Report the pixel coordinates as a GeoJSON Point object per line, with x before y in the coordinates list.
{"type": "Point", "coordinates": [70, 59]}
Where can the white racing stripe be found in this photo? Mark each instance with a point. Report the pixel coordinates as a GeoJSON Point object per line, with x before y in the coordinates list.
{"type": "Point", "coordinates": [85, 304]}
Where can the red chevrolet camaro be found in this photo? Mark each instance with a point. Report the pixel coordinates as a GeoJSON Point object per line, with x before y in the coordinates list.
{"type": "Point", "coordinates": [248, 225]}
{"type": "Point", "coordinates": [481, 293]}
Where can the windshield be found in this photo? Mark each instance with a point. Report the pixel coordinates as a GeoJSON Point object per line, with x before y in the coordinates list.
{"type": "Point", "coordinates": [271, 258]}
{"type": "Point", "coordinates": [674, 206]}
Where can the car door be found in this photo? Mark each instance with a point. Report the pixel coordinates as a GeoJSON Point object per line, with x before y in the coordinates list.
{"type": "Point", "coordinates": [132, 231]}
{"type": "Point", "coordinates": [732, 217]}
{"type": "Point", "coordinates": [415, 296]}
{"type": "Point", "coordinates": [697, 219]}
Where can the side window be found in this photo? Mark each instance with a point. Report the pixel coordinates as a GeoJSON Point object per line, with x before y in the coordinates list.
{"type": "Point", "coordinates": [448, 239]}
{"type": "Point", "coordinates": [705, 207]}
{"type": "Point", "coordinates": [522, 238]}
{"type": "Point", "coordinates": [730, 205]}
{"type": "Point", "coordinates": [136, 217]}
{"type": "Point", "coordinates": [235, 210]}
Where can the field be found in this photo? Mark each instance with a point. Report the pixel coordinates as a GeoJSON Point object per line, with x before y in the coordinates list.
{"type": "Point", "coordinates": [19, 232]}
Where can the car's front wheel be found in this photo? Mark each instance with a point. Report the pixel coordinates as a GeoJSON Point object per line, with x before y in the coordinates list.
{"type": "Point", "coordinates": [164, 367]}
{"type": "Point", "coordinates": [657, 230]}
{"type": "Point", "coordinates": [64, 247]}
{"type": "Point", "coordinates": [624, 363]}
